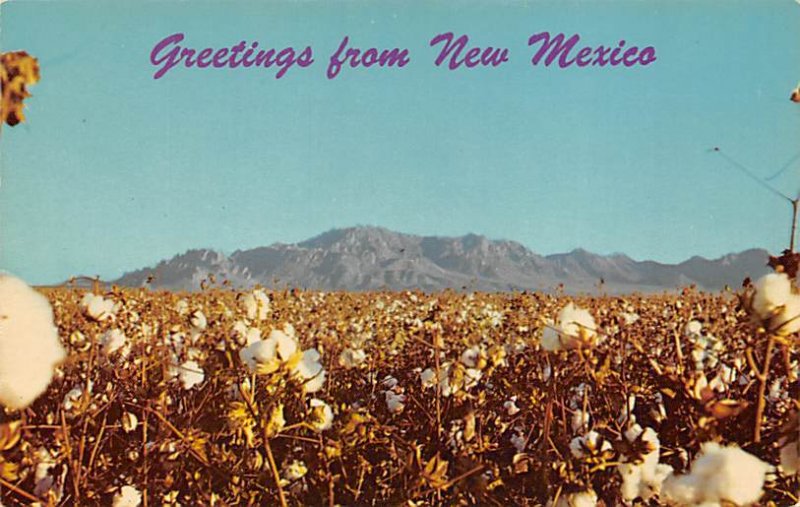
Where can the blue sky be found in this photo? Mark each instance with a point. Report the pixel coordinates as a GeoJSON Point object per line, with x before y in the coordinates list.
{"type": "Point", "coordinates": [115, 170]}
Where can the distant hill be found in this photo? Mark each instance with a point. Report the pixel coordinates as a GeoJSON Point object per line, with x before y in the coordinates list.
{"type": "Point", "coordinates": [373, 258]}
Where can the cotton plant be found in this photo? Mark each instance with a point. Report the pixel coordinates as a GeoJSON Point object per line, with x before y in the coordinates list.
{"type": "Point", "coordinates": [275, 364]}
{"type": "Point", "coordinates": [30, 348]}
{"type": "Point", "coordinates": [774, 306]}
{"type": "Point", "coordinates": [642, 474]}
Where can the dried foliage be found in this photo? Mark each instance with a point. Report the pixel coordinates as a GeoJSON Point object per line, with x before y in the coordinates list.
{"type": "Point", "coordinates": [788, 262]}
{"type": "Point", "coordinates": [18, 70]}
{"type": "Point", "coordinates": [435, 399]}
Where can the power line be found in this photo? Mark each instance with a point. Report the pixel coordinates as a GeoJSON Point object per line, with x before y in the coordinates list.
{"type": "Point", "coordinates": [786, 166]}
{"type": "Point", "coordinates": [750, 174]}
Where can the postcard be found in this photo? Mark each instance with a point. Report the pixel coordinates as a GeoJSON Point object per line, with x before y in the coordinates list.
{"type": "Point", "coordinates": [355, 252]}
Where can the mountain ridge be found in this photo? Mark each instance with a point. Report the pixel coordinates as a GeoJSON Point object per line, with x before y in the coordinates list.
{"type": "Point", "coordinates": [373, 258]}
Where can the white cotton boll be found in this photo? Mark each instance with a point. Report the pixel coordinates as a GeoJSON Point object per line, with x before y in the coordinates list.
{"type": "Point", "coordinates": [250, 306]}
{"type": "Point", "coordinates": [389, 382]}
{"type": "Point", "coordinates": [42, 476]}
{"type": "Point", "coordinates": [428, 378]}
{"type": "Point", "coordinates": [315, 384]}
{"type": "Point", "coordinates": [182, 307]}
{"type": "Point", "coordinates": [240, 328]}
{"type": "Point", "coordinates": [263, 304]}
{"type": "Point", "coordinates": [72, 398]}
{"type": "Point", "coordinates": [129, 422]}
{"type": "Point", "coordinates": [470, 356]}
{"type": "Point", "coordinates": [727, 374]}
{"type": "Point", "coordinates": [774, 393]}
{"type": "Point", "coordinates": [394, 402]}
{"type": "Point", "coordinates": [352, 358]}
{"type": "Point", "coordinates": [198, 320]}
{"type": "Point", "coordinates": [577, 322]}
{"type": "Point", "coordinates": [190, 374]}
{"type": "Point", "coordinates": [286, 344]}
{"type": "Point", "coordinates": [693, 328]}
{"type": "Point", "coordinates": [259, 352]}
{"type": "Point", "coordinates": [518, 441]}
{"type": "Point", "coordinates": [772, 291]}
{"type": "Point", "coordinates": [787, 320]}
{"type": "Point", "coordinates": [445, 387]}
{"type": "Point", "coordinates": [580, 421]}
{"type": "Point", "coordinates": [626, 414]}
{"type": "Point", "coordinates": [256, 305]}
{"type": "Point", "coordinates": [471, 377]}
{"type": "Point", "coordinates": [114, 341]}
{"type": "Point", "coordinates": [576, 447]}
{"type": "Point", "coordinates": [322, 415]}
{"type": "Point", "coordinates": [294, 471]}
{"type": "Point", "coordinates": [309, 365]}
{"type": "Point", "coordinates": [575, 327]}
{"type": "Point", "coordinates": [98, 308]}
{"type": "Point", "coordinates": [582, 499]}
{"type": "Point", "coordinates": [511, 406]}
{"type": "Point", "coordinates": [127, 496]}
{"type": "Point", "coordinates": [643, 479]}
{"type": "Point", "coordinates": [29, 344]}
{"type": "Point", "coordinates": [239, 332]}
{"type": "Point", "coordinates": [310, 371]}
{"type": "Point", "coordinates": [551, 340]}
{"type": "Point", "coordinates": [630, 318]}
{"type": "Point", "coordinates": [252, 335]}
{"type": "Point", "coordinates": [719, 474]}
{"type": "Point", "coordinates": [590, 442]}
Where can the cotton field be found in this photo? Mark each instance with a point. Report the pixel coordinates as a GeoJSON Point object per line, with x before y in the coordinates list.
{"type": "Point", "coordinates": [130, 397]}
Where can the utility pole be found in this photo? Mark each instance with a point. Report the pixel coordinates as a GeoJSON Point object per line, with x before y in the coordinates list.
{"type": "Point", "coordinates": [794, 223]}
{"type": "Point", "coordinates": [794, 97]}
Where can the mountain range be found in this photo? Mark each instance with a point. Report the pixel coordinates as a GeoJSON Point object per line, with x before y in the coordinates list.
{"type": "Point", "coordinates": [373, 258]}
